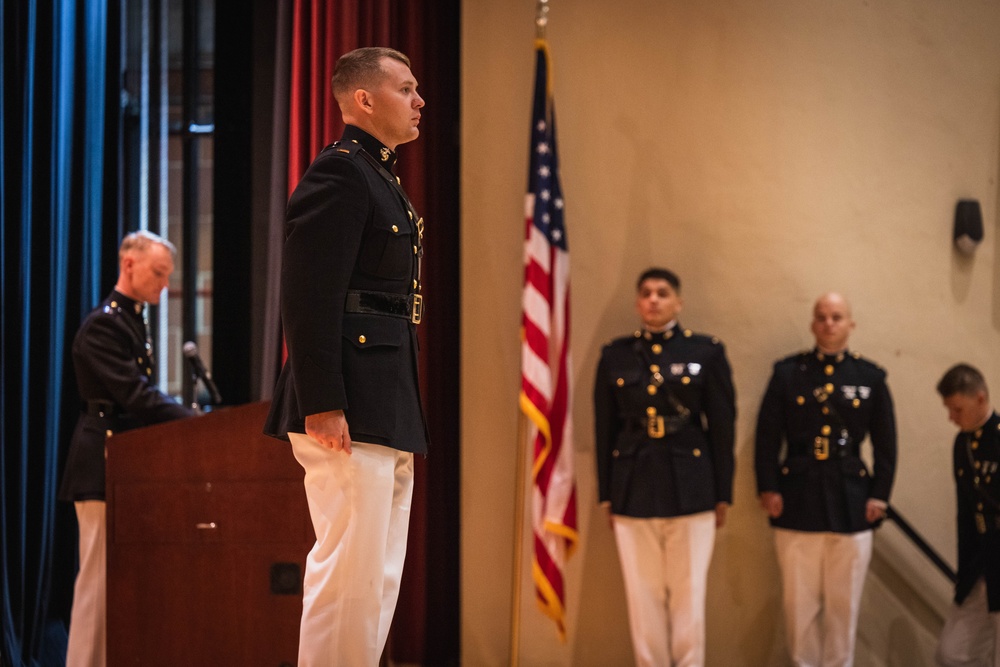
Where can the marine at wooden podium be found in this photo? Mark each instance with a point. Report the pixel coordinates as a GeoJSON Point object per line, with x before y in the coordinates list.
{"type": "Point", "coordinates": [115, 374]}
{"type": "Point", "coordinates": [347, 399]}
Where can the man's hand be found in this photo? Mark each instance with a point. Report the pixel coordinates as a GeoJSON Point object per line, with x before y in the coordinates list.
{"type": "Point", "coordinates": [720, 514]}
{"type": "Point", "coordinates": [330, 430]}
{"type": "Point", "coordinates": [773, 503]}
{"type": "Point", "coordinates": [611, 517]}
{"type": "Point", "coordinates": [875, 510]}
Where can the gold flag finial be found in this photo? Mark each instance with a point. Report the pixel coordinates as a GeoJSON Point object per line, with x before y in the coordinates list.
{"type": "Point", "coordinates": [541, 18]}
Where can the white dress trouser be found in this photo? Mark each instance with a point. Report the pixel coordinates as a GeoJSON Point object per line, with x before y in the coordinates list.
{"type": "Point", "coordinates": [664, 564]}
{"type": "Point", "coordinates": [88, 620]}
{"type": "Point", "coordinates": [971, 633]}
{"type": "Point", "coordinates": [822, 577]}
{"type": "Point", "coordinates": [360, 510]}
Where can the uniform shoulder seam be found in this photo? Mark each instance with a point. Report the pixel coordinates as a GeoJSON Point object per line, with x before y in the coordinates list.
{"type": "Point", "coordinates": [869, 362]}
{"type": "Point", "coordinates": [620, 340]}
{"type": "Point", "coordinates": [792, 357]}
{"type": "Point", "coordinates": [703, 337]}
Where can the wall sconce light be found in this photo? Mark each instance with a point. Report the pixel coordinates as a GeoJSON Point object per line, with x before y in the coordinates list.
{"type": "Point", "coordinates": [968, 226]}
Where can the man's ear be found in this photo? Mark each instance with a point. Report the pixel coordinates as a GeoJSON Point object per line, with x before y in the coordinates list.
{"type": "Point", "coordinates": [362, 100]}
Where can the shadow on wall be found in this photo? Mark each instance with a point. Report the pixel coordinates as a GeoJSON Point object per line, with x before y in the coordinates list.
{"type": "Point", "coordinates": [961, 275]}
{"type": "Point", "coordinates": [996, 256]}
{"type": "Point", "coordinates": [744, 617]}
{"type": "Point", "coordinates": [904, 647]}
{"type": "Point", "coordinates": [600, 640]}
{"type": "Point", "coordinates": [996, 251]}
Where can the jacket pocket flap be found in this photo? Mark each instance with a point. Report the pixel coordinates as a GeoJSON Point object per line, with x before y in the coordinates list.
{"type": "Point", "coordinates": [364, 331]}
{"type": "Point", "coordinates": [625, 378]}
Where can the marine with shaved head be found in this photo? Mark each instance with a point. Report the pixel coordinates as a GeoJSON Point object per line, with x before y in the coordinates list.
{"type": "Point", "coordinates": [822, 499]}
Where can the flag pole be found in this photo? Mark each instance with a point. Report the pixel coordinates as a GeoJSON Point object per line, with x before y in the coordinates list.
{"type": "Point", "coordinates": [521, 482]}
{"type": "Point", "coordinates": [541, 20]}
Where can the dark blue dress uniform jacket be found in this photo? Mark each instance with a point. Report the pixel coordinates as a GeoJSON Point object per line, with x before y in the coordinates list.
{"type": "Point", "coordinates": [977, 463]}
{"type": "Point", "coordinates": [114, 368]}
{"type": "Point", "coordinates": [825, 494]}
{"type": "Point", "coordinates": [347, 228]}
{"type": "Point", "coordinates": [681, 473]}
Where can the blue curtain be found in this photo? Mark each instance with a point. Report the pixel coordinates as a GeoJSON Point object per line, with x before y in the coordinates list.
{"type": "Point", "coordinates": [55, 129]}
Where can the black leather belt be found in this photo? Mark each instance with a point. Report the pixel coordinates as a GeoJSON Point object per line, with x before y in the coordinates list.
{"type": "Point", "coordinates": [100, 408]}
{"type": "Point", "coordinates": [404, 306]}
{"type": "Point", "coordinates": [658, 426]}
{"type": "Point", "coordinates": [823, 448]}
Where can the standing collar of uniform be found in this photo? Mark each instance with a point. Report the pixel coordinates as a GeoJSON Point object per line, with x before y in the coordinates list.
{"type": "Point", "coordinates": [990, 424]}
{"type": "Point", "coordinates": [831, 358]}
{"type": "Point", "coordinates": [127, 303]}
{"type": "Point", "coordinates": [382, 154]}
{"type": "Point", "coordinates": [666, 334]}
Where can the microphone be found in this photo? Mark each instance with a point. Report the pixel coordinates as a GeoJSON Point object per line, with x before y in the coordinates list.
{"type": "Point", "coordinates": [200, 372]}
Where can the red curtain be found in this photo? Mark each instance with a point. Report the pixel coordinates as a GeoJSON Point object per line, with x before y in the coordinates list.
{"type": "Point", "coordinates": [425, 627]}
{"type": "Point", "coordinates": [322, 30]}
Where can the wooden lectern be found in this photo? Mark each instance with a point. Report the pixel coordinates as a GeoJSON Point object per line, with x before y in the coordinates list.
{"type": "Point", "coordinates": [208, 531]}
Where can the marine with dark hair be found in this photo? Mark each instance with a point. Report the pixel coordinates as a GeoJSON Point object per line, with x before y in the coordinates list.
{"type": "Point", "coordinates": [971, 633]}
{"type": "Point", "coordinates": [665, 408]}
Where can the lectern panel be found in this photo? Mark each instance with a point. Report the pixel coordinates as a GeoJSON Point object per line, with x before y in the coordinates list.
{"type": "Point", "coordinates": [208, 530]}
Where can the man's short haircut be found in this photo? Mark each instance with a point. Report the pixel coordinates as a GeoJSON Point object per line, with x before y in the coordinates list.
{"type": "Point", "coordinates": [362, 68]}
{"type": "Point", "coordinates": [140, 241]}
{"type": "Point", "coordinates": [658, 273]}
{"type": "Point", "coordinates": [962, 379]}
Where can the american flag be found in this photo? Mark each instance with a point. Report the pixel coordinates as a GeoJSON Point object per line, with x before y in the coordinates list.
{"type": "Point", "coordinates": [546, 371]}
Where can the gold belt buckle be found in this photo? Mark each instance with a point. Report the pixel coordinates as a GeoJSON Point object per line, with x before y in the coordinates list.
{"type": "Point", "coordinates": [654, 424]}
{"type": "Point", "coordinates": [418, 309]}
{"type": "Point", "coordinates": [821, 448]}
{"type": "Point", "coordinates": [655, 428]}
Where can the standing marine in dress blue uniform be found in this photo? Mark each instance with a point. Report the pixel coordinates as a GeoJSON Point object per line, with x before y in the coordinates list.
{"type": "Point", "coordinates": [822, 500]}
{"type": "Point", "coordinates": [115, 375]}
{"type": "Point", "coordinates": [971, 633]}
{"type": "Point", "coordinates": [664, 408]}
{"type": "Point", "coordinates": [347, 399]}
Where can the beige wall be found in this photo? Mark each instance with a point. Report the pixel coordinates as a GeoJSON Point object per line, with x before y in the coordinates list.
{"type": "Point", "coordinates": [767, 150]}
